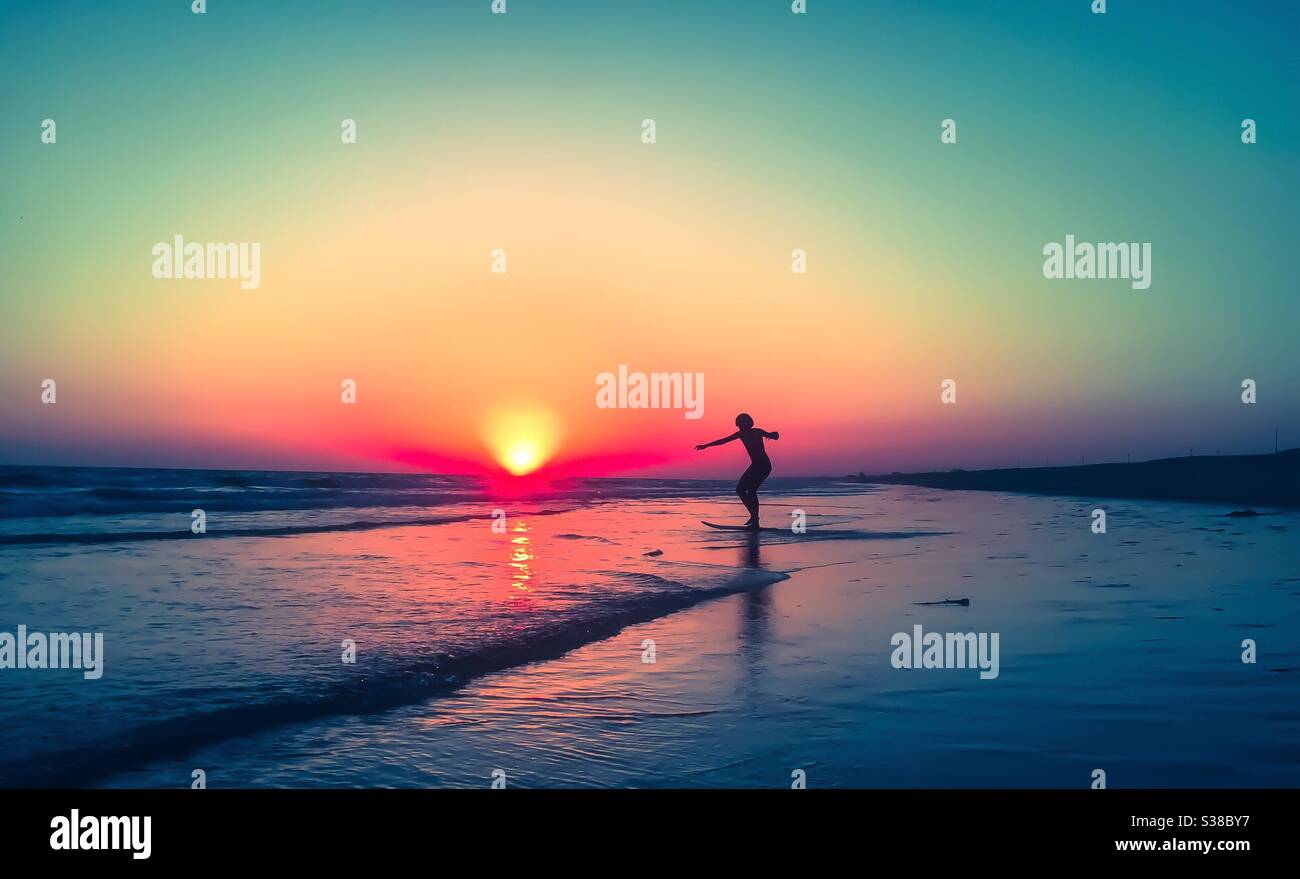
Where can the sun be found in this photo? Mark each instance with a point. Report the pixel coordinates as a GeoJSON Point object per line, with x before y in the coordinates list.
{"type": "Point", "coordinates": [521, 437]}
{"type": "Point", "coordinates": [522, 459]}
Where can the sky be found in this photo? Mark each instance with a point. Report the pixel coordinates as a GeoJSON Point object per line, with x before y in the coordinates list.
{"type": "Point", "coordinates": [523, 132]}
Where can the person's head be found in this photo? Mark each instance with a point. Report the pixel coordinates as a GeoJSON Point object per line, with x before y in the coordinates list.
{"type": "Point", "coordinates": [744, 422]}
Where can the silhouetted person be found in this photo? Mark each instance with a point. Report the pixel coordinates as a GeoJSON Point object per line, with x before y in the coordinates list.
{"type": "Point", "coordinates": [759, 464]}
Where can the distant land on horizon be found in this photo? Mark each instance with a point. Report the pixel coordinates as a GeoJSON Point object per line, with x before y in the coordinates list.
{"type": "Point", "coordinates": [1268, 480]}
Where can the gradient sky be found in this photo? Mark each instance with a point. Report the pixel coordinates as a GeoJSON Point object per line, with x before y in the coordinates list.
{"type": "Point", "coordinates": [522, 132]}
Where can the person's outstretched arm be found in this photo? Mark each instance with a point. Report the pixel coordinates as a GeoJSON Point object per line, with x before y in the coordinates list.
{"type": "Point", "coordinates": [718, 442]}
{"type": "Point", "coordinates": [774, 435]}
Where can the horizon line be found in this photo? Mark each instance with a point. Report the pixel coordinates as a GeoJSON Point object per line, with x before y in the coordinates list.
{"type": "Point", "coordinates": [857, 475]}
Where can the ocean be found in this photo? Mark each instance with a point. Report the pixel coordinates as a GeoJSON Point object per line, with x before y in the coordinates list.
{"type": "Point", "coordinates": [410, 630]}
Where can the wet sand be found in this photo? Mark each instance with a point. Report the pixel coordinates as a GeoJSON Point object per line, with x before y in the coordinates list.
{"type": "Point", "coordinates": [1119, 651]}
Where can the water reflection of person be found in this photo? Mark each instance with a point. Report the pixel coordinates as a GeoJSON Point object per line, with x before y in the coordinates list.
{"type": "Point", "coordinates": [755, 619]}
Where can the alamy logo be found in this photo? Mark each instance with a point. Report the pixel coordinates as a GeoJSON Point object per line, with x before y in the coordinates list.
{"type": "Point", "coordinates": [55, 650]}
{"type": "Point", "coordinates": [125, 833]}
{"type": "Point", "coordinates": [658, 390]}
{"type": "Point", "coordinates": [215, 259]}
{"type": "Point", "coordinates": [1126, 260]}
{"type": "Point", "coordinates": [947, 650]}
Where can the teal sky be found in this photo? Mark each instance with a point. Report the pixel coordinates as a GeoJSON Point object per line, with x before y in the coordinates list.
{"type": "Point", "coordinates": [1115, 127]}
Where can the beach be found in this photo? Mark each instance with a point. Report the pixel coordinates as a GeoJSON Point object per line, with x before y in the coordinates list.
{"type": "Point", "coordinates": [521, 655]}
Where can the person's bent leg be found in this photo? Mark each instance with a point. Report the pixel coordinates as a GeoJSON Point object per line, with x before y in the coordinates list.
{"type": "Point", "coordinates": [759, 478]}
{"type": "Point", "coordinates": [745, 491]}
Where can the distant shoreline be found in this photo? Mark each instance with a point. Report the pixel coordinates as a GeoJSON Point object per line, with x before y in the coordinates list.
{"type": "Point", "coordinates": [1243, 480]}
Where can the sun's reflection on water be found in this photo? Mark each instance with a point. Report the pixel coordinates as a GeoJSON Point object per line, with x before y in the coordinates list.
{"type": "Point", "coordinates": [521, 557]}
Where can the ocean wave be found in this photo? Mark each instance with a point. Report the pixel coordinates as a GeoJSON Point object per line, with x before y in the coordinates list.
{"type": "Point", "coordinates": [392, 684]}
{"type": "Point", "coordinates": [117, 501]}
{"type": "Point", "coordinates": [98, 537]}
{"type": "Point", "coordinates": [48, 492]}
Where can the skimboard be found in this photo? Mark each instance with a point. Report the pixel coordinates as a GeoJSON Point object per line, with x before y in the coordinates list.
{"type": "Point", "coordinates": [744, 528]}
